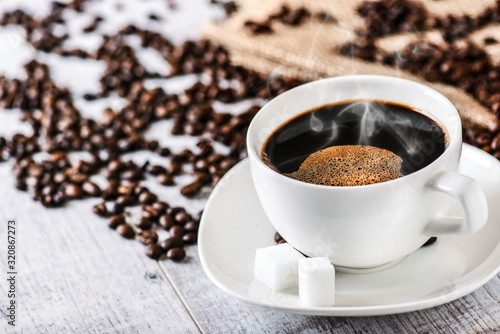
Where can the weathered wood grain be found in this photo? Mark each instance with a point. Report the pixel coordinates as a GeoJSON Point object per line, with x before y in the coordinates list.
{"type": "Point", "coordinates": [75, 275]}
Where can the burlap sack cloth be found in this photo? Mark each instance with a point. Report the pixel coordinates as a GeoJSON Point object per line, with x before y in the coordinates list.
{"type": "Point", "coordinates": [308, 52]}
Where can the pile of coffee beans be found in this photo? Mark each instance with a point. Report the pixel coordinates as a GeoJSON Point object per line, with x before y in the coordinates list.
{"type": "Point", "coordinates": [457, 62]}
{"type": "Point", "coordinates": [59, 128]}
{"type": "Point", "coordinates": [387, 17]}
{"type": "Point", "coordinates": [289, 17]}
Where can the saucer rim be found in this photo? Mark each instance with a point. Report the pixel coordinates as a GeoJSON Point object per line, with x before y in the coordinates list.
{"type": "Point", "coordinates": [477, 280]}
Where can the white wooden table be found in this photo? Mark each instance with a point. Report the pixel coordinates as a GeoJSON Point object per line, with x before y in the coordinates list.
{"type": "Point", "coordinates": [75, 275]}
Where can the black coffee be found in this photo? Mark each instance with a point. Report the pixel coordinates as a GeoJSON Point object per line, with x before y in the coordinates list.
{"type": "Point", "coordinates": [415, 138]}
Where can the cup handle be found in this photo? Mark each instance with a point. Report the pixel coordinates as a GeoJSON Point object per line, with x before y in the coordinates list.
{"type": "Point", "coordinates": [470, 196]}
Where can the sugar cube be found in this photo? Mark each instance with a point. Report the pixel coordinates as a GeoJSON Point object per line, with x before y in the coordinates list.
{"type": "Point", "coordinates": [316, 281]}
{"type": "Point", "coordinates": [277, 266]}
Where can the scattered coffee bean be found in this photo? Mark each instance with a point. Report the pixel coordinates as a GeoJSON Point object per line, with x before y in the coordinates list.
{"type": "Point", "coordinates": [144, 223]}
{"type": "Point", "coordinates": [176, 254]}
{"type": "Point", "coordinates": [91, 189]}
{"type": "Point", "coordinates": [430, 241]}
{"type": "Point", "coordinates": [125, 200]}
{"type": "Point", "coordinates": [190, 238]}
{"type": "Point", "coordinates": [154, 251]}
{"type": "Point", "coordinates": [116, 220]}
{"type": "Point", "coordinates": [166, 221]}
{"type": "Point", "coordinates": [191, 226]}
{"type": "Point", "coordinates": [147, 237]}
{"type": "Point", "coordinates": [192, 189]}
{"type": "Point", "coordinates": [101, 210]}
{"type": "Point", "coordinates": [176, 231]}
{"type": "Point", "coordinates": [126, 231]}
{"type": "Point", "coordinates": [147, 197]}
{"type": "Point", "coordinates": [165, 179]}
{"type": "Point", "coordinates": [172, 242]}
{"type": "Point", "coordinates": [73, 190]}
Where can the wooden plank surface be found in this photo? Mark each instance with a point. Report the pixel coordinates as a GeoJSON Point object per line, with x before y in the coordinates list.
{"type": "Point", "coordinates": [75, 275]}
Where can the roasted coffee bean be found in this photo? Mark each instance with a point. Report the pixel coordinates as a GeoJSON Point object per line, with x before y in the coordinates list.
{"type": "Point", "coordinates": [495, 142]}
{"type": "Point", "coordinates": [176, 231]}
{"type": "Point", "coordinates": [277, 237]}
{"type": "Point", "coordinates": [201, 165]}
{"type": "Point", "coordinates": [154, 251]}
{"type": "Point", "coordinates": [116, 166]}
{"type": "Point", "coordinates": [126, 231]}
{"type": "Point", "coordinates": [490, 41]}
{"type": "Point", "coordinates": [227, 163]}
{"type": "Point", "coordinates": [160, 206]}
{"type": "Point", "coordinates": [147, 237]}
{"type": "Point", "coordinates": [101, 210]}
{"type": "Point", "coordinates": [282, 241]}
{"type": "Point", "coordinates": [171, 243]}
{"type": "Point", "coordinates": [165, 179]}
{"type": "Point", "coordinates": [117, 209]}
{"type": "Point", "coordinates": [125, 200]}
{"type": "Point", "coordinates": [191, 226]}
{"type": "Point", "coordinates": [174, 210]}
{"type": "Point", "coordinates": [150, 212]}
{"type": "Point", "coordinates": [430, 241]}
{"type": "Point", "coordinates": [258, 28]}
{"type": "Point", "coordinates": [166, 221]}
{"type": "Point", "coordinates": [147, 197]}
{"type": "Point", "coordinates": [163, 151]}
{"type": "Point", "coordinates": [202, 178]}
{"type": "Point", "coordinates": [182, 217]}
{"type": "Point", "coordinates": [91, 189]}
{"type": "Point", "coordinates": [192, 189]}
{"type": "Point", "coordinates": [73, 190]}
{"type": "Point", "coordinates": [174, 168]}
{"type": "Point", "coordinates": [155, 169]}
{"type": "Point", "coordinates": [176, 254]}
{"type": "Point", "coordinates": [116, 220]}
{"type": "Point", "coordinates": [190, 238]}
{"type": "Point", "coordinates": [144, 223]}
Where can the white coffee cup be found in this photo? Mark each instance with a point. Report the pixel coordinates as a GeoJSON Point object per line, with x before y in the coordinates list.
{"type": "Point", "coordinates": [369, 225]}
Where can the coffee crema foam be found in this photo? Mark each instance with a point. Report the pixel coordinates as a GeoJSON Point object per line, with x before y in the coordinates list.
{"type": "Point", "coordinates": [349, 165]}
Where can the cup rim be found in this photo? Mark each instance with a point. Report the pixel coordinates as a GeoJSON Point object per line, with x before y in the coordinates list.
{"type": "Point", "coordinates": [453, 140]}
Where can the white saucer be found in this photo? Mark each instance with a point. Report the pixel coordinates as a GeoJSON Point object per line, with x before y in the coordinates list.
{"type": "Point", "coordinates": [234, 226]}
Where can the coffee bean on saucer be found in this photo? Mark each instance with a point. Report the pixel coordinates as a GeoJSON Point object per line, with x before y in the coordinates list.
{"type": "Point", "coordinates": [172, 243]}
{"type": "Point", "coordinates": [166, 221]}
{"type": "Point", "coordinates": [126, 231]}
{"type": "Point", "coordinates": [101, 210]}
{"type": "Point", "coordinates": [154, 251]}
{"type": "Point", "coordinates": [147, 237]}
{"type": "Point", "coordinates": [176, 254]}
{"type": "Point", "coordinates": [116, 220]}
{"type": "Point", "coordinates": [430, 241]}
